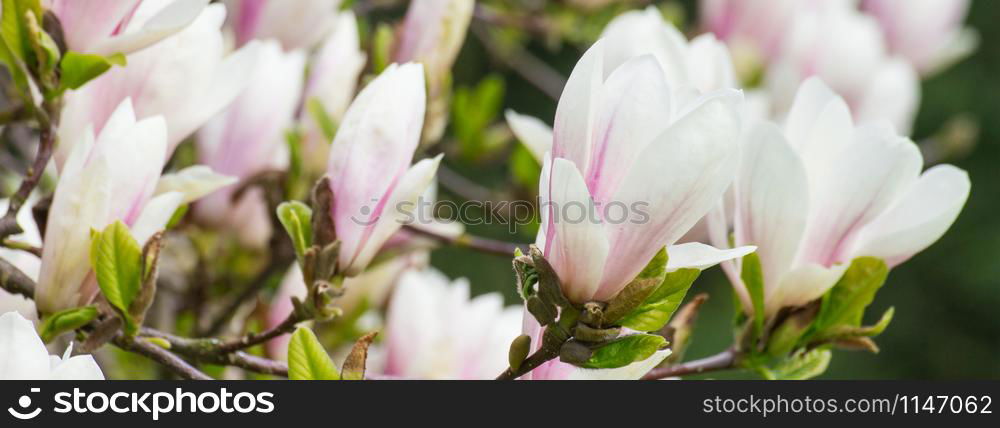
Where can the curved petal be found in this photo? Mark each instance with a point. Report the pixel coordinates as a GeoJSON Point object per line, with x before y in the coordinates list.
{"type": "Point", "coordinates": [802, 285]}
{"type": "Point", "coordinates": [676, 181]}
{"type": "Point", "coordinates": [772, 200]}
{"type": "Point", "coordinates": [398, 207]}
{"type": "Point", "coordinates": [168, 21]}
{"type": "Point", "coordinates": [22, 353]}
{"type": "Point", "coordinates": [80, 367]}
{"type": "Point", "coordinates": [918, 219]}
{"type": "Point", "coordinates": [575, 114]}
{"type": "Point", "coordinates": [695, 255]}
{"type": "Point", "coordinates": [579, 243]}
{"type": "Point", "coordinates": [892, 94]}
{"type": "Point", "coordinates": [634, 109]}
{"type": "Point", "coordinates": [155, 215]}
{"type": "Point", "coordinates": [532, 132]}
{"type": "Point", "coordinates": [194, 182]}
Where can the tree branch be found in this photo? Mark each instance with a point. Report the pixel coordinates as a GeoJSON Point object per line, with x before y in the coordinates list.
{"type": "Point", "coordinates": [210, 351]}
{"type": "Point", "coordinates": [47, 141]}
{"type": "Point", "coordinates": [484, 245]}
{"type": "Point", "coordinates": [15, 281]}
{"type": "Point", "coordinates": [538, 358]}
{"type": "Point", "coordinates": [159, 355]}
{"type": "Point", "coordinates": [722, 361]}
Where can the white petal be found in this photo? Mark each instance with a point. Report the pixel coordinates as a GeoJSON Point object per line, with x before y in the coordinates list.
{"type": "Point", "coordinates": [892, 94]}
{"type": "Point", "coordinates": [632, 371]}
{"type": "Point", "coordinates": [398, 208]}
{"type": "Point", "coordinates": [919, 218]}
{"type": "Point", "coordinates": [80, 367]}
{"type": "Point", "coordinates": [533, 133]}
{"type": "Point", "coordinates": [155, 215]}
{"type": "Point", "coordinates": [22, 353]}
{"type": "Point", "coordinates": [579, 243]}
{"type": "Point", "coordinates": [695, 255]}
{"type": "Point", "coordinates": [772, 200]}
{"type": "Point", "coordinates": [167, 22]}
{"type": "Point", "coordinates": [802, 285]}
{"type": "Point", "coordinates": [577, 108]}
{"type": "Point", "coordinates": [194, 182]}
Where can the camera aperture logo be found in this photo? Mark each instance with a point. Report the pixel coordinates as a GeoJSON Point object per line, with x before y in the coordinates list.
{"type": "Point", "coordinates": [154, 404]}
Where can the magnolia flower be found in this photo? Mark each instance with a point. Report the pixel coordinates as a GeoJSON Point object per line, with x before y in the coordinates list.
{"type": "Point", "coordinates": [435, 331]}
{"type": "Point", "coordinates": [186, 78]}
{"type": "Point", "coordinates": [822, 191]}
{"type": "Point", "coordinates": [369, 169]}
{"type": "Point", "coordinates": [758, 26]}
{"type": "Point", "coordinates": [928, 33]}
{"type": "Point", "coordinates": [104, 26]}
{"type": "Point", "coordinates": [297, 25]}
{"type": "Point", "coordinates": [847, 50]}
{"type": "Point", "coordinates": [631, 170]}
{"type": "Point", "coordinates": [23, 355]}
{"type": "Point", "coordinates": [371, 288]}
{"type": "Point", "coordinates": [333, 79]}
{"type": "Point", "coordinates": [107, 178]}
{"type": "Point", "coordinates": [558, 370]}
{"type": "Point", "coordinates": [432, 34]}
{"type": "Point", "coordinates": [26, 262]}
{"type": "Point", "coordinates": [248, 138]}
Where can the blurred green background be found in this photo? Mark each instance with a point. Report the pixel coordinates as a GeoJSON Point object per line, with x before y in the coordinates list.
{"type": "Point", "coordinates": [947, 299]}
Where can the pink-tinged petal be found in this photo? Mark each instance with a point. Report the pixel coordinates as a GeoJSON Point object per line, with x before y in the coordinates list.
{"type": "Point", "coordinates": [165, 23]}
{"type": "Point", "coordinates": [868, 175]}
{"type": "Point", "coordinates": [273, 19]}
{"type": "Point", "coordinates": [550, 370]}
{"type": "Point", "coordinates": [372, 150]}
{"type": "Point", "coordinates": [544, 203]}
{"type": "Point", "coordinates": [632, 371]}
{"type": "Point", "coordinates": [195, 182]}
{"type": "Point", "coordinates": [577, 109]}
{"type": "Point", "coordinates": [532, 132]}
{"type": "Point", "coordinates": [333, 77]}
{"type": "Point", "coordinates": [695, 255]}
{"type": "Point", "coordinates": [22, 353]}
{"type": "Point", "coordinates": [676, 181]}
{"type": "Point", "coordinates": [814, 100]}
{"type": "Point", "coordinates": [772, 199]}
{"type": "Point", "coordinates": [155, 215]}
{"type": "Point", "coordinates": [636, 33]}
{"type": "Point", "coordinates": [578, 246]}
{"type": "Point", "coordinates": [397, 209]}
{"type": "Point", "coordinates": [137, 156]}
{"type": "Point", "coordinates": [87, 23]}
{"type": "Point", "coordinates": [819, 138]}
{"type": "Point", "coordinates": [800, 286]}
{"type": "Point", "coordinates": [917, 219]}
{"type": "Point", "coordinates": [633, 110]}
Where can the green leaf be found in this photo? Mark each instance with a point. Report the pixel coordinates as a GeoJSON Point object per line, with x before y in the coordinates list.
{"type": "Point", "coordinates": [524, 168]}
{"type": "Point", "coordinates": [177, 216]}
{"type": "Point", "coordinates": [307, 360]}
{"type": "Point", "coordinates": [319, 114]}
{"type": "Point", "coordinates": [845, 303]}
{"type": "Point", "coordinates": [846, 331]}
{"type": "Point", "coordinates": [803, 365]}
{"type": "Point", "coordinates": [117, 261]}
{"type": "Point", "coordinates": [473, 110]}
{"type": "Point", "coordinates": [637, 291]}
{"type": "Point", "coordinates": [785, 337]}
{"type": "Point", "coordinates": [753, 278]}
{"type": "Point", "coordinates": [14, 27]}
{"type": "Point", "coordinates": [79, 68]}
{"type": "Point", "coordinates": [382, 47]}
{"type": "Point", "coordinates": [68, 320]}
{"type": "Point", "coordinates": [624, 351]}
{"type": "Point", "coordinates": [656, 311]}
{"type": "Point", "coordinates": [296, 217]}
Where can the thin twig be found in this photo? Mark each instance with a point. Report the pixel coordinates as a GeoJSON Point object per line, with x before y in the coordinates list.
{"type": "Point", "coordinates": [532, 69]}
{"type": "Point", "coordinates": [461, 186]}
{"type": "Point", "coordinates": [274, 267]}
{"type": "Point", "coordinates": [210, 351]}
{"type": "Point", "coordinates": [251, 340]}
{"type": "Point", "coordinates": [161, 356]}
{"type": "Point", "coordinates": [21, 246]}
{"type": "Point", "coordinates": [538, 358]}
{"type": "Point", "coordinates": [15, 281]}
{"type": "Point", "coordinates": [483, 245]}
{"type": "Point", "coordinates": [47, 138]}
{"type": "Point", "coordinates": [722, 361]}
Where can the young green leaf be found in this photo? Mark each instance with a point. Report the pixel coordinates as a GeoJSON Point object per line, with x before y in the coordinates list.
{"type": "Point", "coordinates": [117, 262]}
{"type": "Point", "coordinates": [845, 303]}
{"type": "Point", "coordinates": [656, 311]}
{"type": "Point", "coordinates": [307, 360]}
{"type": "Point", "coordinates": [322, 118]}
{"type": "Point", "coordinates": [803, 365]}
{"type": "Point", "coordinates": [68, 320]}
{"type": "Point", "coordinates": [79, 68]}
{"type": "Point", "coordinates": [624, 351]}
{"type": "Point", "coordinates": [637, 291]}
{"type": "Point", "coordinates": [296, 217]}
{"type": "Point", "coordinates": [753, 278]}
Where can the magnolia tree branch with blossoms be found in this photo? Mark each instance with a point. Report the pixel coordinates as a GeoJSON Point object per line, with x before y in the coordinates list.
{"type": "Point", "coordinates": [246, 189]}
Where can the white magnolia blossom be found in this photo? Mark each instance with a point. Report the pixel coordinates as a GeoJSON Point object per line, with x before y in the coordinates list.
{"type": "Point", "coordinates": [187, 78]}
{"type": "Point", "coordinates": [103, 26]}
{"type": "Point", "coordinates": [435, 331]}
{"type": "Point", "coordinates": [297, 24]}
{"type": "Point", "coordinates": [23, 355]}
{"type": "Point", "coordinates": [249, 138]}
{"type": "Point", "coordinates": [370, 174]}
{"type": "Point", "coordinates": [928, 33]}
{"type": "Point", "coordinates": [111, 176]}
{"type": "Point", "coordinates": [623, 140]}
{"type": "Point", "coordinates": [821, 191]}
